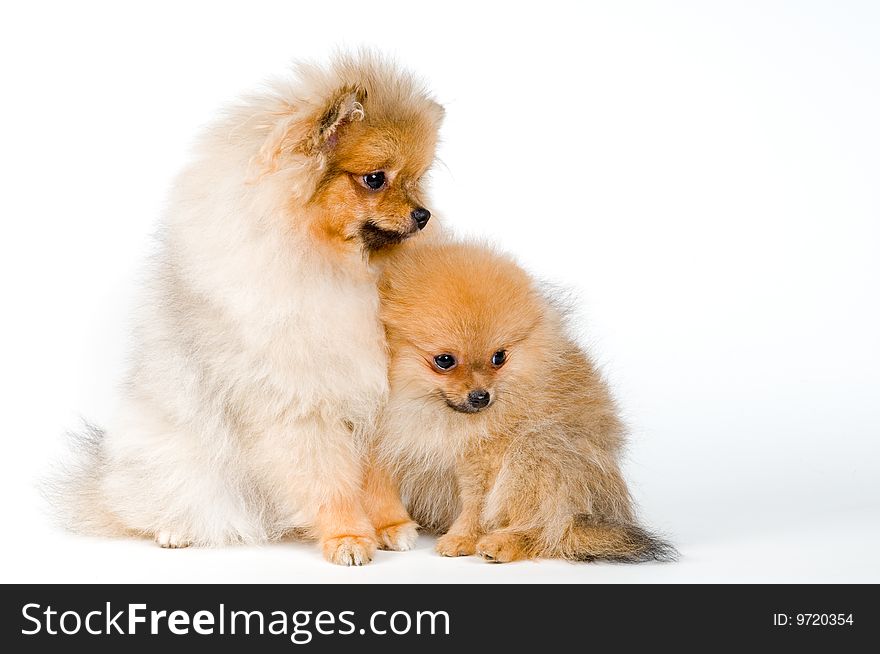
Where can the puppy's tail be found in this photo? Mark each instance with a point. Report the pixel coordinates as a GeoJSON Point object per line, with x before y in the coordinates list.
{"type": "Point", "coordinates": [73, 490]}
{"type": "Point", "coordinates": [591, 539]}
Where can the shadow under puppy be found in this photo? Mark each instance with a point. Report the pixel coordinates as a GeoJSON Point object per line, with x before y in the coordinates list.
{"type": "Point", "coordinates": [499, 427]}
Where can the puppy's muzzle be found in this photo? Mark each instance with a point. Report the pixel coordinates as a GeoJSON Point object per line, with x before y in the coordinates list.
{"type": "Point", "coordinates": [375, 237]}
{"type": "Point", "coordinates": [476, 401]}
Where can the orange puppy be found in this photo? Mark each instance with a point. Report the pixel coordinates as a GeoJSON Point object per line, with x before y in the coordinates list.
{"type": "Point", "coordinates": [499, 428]}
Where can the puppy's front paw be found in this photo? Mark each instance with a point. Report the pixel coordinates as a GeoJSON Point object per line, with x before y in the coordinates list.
{"type": "Point", "coordinates": [399, 538]}
{"type": "Point", "coordinates": [456, 545]}
{"type": "Point", "coordinates": [502, 547]}
{"type": "Point", "coordinates": [170, 540]}
{"type": "Point", "coordinates": [349, 550]}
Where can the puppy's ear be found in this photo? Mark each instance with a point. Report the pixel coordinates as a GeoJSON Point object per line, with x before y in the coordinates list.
{"type": "Point", "coordinates": [312, 134]}
{"type": "Point", "coordinates": [346, 107]}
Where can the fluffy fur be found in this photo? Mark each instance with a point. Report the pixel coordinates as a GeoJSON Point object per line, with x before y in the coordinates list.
{"type": "Point", "coordinates": [514, 448]}
{"type": "Point", "coordinates": [260, 361]}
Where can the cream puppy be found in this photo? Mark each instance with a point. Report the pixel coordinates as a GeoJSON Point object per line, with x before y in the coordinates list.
{"type": "Point", "coordinates": [259, 361]}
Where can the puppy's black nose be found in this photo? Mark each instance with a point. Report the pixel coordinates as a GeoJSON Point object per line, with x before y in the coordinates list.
{"type": "Point", "coordinates": [421, 215]}
{"type": "Point", "coordinates": [478, 399]}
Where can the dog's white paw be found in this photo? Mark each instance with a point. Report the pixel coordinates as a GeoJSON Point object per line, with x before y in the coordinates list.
{"type": "Point", "coordinates": [349, 550]}
{"type": "Point", "coordinates": [170, 540]}
{"type": "Point", "coordinates": [400, 537]}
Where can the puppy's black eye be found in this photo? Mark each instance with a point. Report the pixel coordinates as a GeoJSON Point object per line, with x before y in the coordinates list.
{"type": "Point", "coordinates": [499, 358]}
{"type": "Point", "coordinates": [374, 181]}
{"type": "Point", "coordinates": [444, 361]}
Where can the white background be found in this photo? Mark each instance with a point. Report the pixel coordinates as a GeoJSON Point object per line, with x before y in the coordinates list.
{"type": "Point", "coordinates": [704, 175]}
